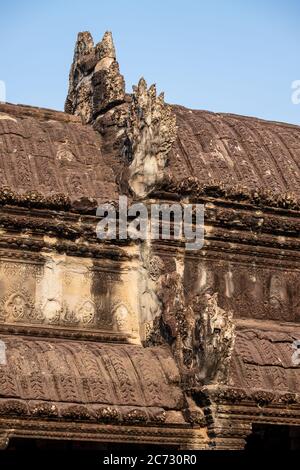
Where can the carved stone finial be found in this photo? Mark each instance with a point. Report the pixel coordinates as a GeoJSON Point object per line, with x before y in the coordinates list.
{"type": "Point", "coordinates": [105, 48]}
{"type": "Point", "coordinates": [216, 340]}
{"type": "Point", "coordinates": [84, 44]}
{"type": "Point", "coordinates": [140, 126]}
{"type": "Point", "coordinates": [150, 134]}
{"type": "Point", "coordinates": [95, 82]}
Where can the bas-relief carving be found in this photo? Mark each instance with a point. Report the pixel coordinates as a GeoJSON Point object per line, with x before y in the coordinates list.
{"type": "Point", "coordinates": [18, 282]}
{"type": "Point", "coordinates": [17, 306]}
{"type": "Point", "coordinates": [215, 334]}
{"type": "Point", "coordinates": [199, 331]}
{"type": "Point", "coordinates": [149, 273]}
{"type": "Point", "coordinates": [189, 306]}
{"type": "Point", "coordinates": [124, 310]}
{"type": "Point", "coordinates": [249, 291]}
{"type": "Point", "coordinates": [62, 292]}
{"type": "Point", "coordinates": [58, 313]}
{"type": "Point", "coordinates": [196, 302]}
{"type": "Point", "coordinates": [123, 318]}
{"type": "Point", "coordinates": [86, 311]}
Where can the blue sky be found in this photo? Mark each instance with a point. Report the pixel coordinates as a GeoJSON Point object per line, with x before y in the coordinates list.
{"type": "Point", "coordinates": [238, 56]}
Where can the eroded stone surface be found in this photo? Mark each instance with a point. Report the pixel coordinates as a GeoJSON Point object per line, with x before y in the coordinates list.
{"type": "Point", "coordinates": [212, 331]}
{"type": "Point", "coordinates": [63, 291]}
{"type": "Point", "coordinates": [95, 81]}
{"type": "Point", "coordinates": [151, 132]}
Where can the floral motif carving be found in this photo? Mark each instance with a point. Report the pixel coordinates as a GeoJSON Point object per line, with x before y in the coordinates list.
{"type": "Point", "coordinates": [17, 306]}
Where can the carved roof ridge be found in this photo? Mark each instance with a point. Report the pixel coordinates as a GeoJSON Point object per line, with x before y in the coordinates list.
{"type": "Point", "coordinates": [24, 110]}
{"type": "Point", "coordinates": [208, 112]}
{"type": "Point", "coordinates": [39, 113]}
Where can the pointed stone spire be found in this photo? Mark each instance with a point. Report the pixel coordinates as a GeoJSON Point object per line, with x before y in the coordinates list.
{"type": "Point", "coordinates": [84, 44]}
{"type": "Point", "coordinates": [108, 83]}
{"type": "Point", "coordinates": [95, 82]}
{"type": "Point", "coordinates": [106, 47]}
{"type": "Point", "coordinates": [137, 130]}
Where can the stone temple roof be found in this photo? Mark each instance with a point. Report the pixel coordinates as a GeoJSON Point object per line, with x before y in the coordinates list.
{"type": "Point", "coordinates": [262, 358]}
{"type": "Point", "coordinates": [100, 374]}
{"type": "Point", "coordinates": [53, 152]}
{"type": "Point", "coordinates": [228, 316]}
{"type": "Point", "coordinates": [236, 150]}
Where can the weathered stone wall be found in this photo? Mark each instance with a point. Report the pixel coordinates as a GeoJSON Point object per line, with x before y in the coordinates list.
{"type": "Point", "coordinates": [215, 325]}
{"type": "Point", "coordinates": [57, 281]}
{"type": "Point", "coordinates": [66, 291]}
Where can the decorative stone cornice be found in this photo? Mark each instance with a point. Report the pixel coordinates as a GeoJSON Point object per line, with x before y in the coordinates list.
{"type": "Point", "coordinates": [194, 189]}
